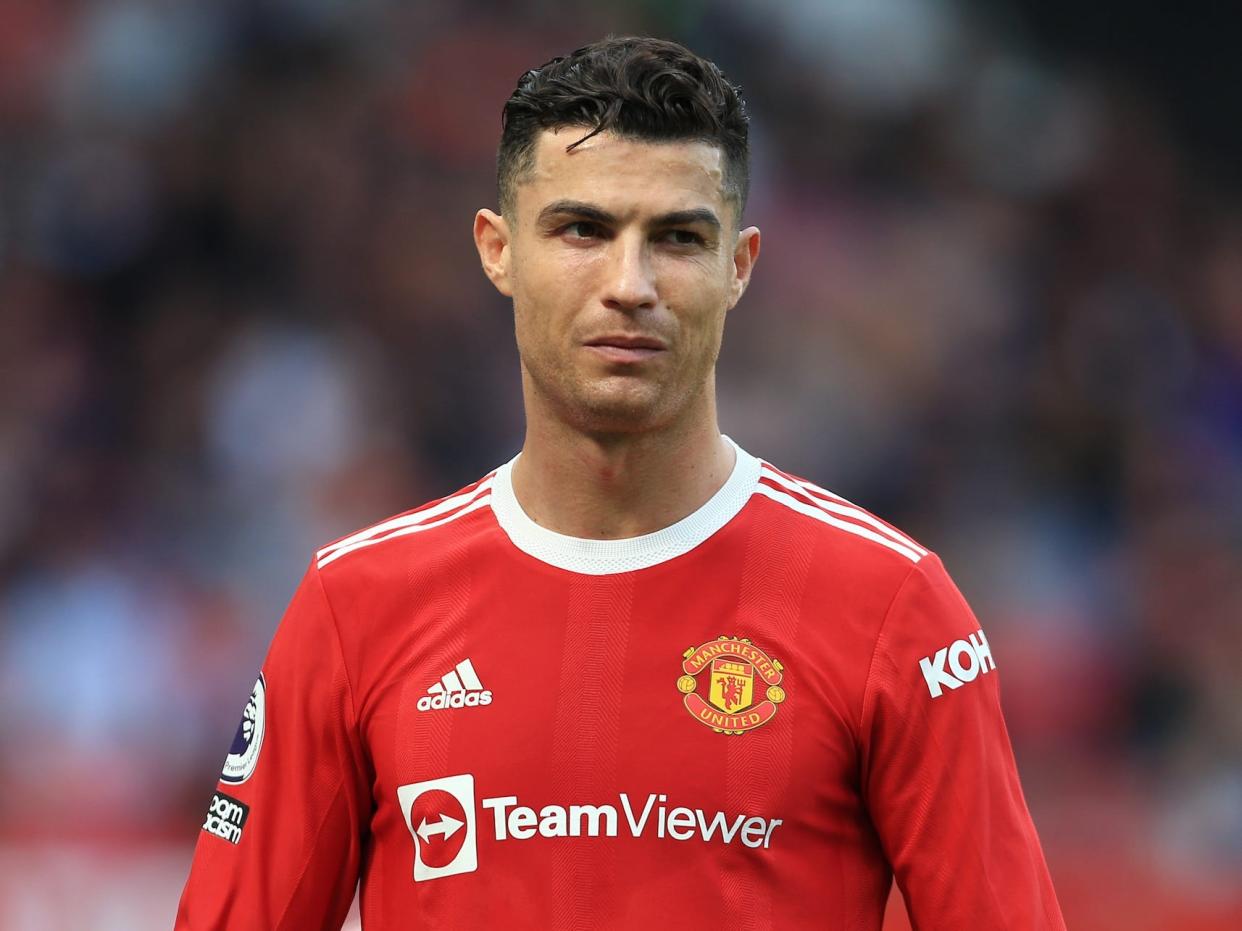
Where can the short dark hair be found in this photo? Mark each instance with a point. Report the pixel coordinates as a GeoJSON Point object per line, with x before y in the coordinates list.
{"type": "Point", "coordinates": [638, 87]}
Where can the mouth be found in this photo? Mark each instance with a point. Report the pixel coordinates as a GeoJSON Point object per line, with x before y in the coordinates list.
{"type": "Point", "coordinates": [621, 348]}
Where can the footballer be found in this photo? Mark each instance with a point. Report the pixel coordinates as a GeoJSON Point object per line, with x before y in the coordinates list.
{"type": "Point", "coordinates": [637, 676]}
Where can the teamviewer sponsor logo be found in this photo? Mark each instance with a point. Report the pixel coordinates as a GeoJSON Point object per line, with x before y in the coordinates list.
{"type": "Point", "coordinates": [522, 822]}
{"type": "Point", "coordinates": [459, 688]}
{"type": "Point", "coordinates": [440, 816]}
{"type": "Point", "coordinates": [966, 659]}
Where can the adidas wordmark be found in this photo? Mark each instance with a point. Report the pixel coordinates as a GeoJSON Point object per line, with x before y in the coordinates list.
{"type": "Point", "coordinates": [459, 688]}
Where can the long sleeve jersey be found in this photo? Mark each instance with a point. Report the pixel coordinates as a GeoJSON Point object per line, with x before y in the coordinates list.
{"type": "Point", "coordinates": [754, 718]}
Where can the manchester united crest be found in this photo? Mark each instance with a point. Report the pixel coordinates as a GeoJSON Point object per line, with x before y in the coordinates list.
{"type": "Point", "coordinates": [730, 685]}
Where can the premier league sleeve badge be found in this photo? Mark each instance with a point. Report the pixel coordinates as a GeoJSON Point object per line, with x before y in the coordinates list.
{"type": "Point", "coordinates": [244, 752]}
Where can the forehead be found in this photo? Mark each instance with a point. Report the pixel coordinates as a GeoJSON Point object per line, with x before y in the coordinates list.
{"type": "Point", "coordinates": [623, 175]}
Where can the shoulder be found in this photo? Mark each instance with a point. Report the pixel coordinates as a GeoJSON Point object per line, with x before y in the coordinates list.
{"type": "Point", "coordinates": [909, 618]}
{"type": "Point", "coordinates": [435, 524]}
{"type": "Point", "coordinates": [845, 529]}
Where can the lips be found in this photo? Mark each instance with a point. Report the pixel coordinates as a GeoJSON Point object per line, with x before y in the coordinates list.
{"type": "Point", "coordinates": [621, 341]}
{"type": "Point", "coordinates": [623, 349]}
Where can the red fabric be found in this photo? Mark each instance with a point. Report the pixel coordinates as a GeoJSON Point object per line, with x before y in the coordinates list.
{"type": "Point", "coordinates": [858, 774]}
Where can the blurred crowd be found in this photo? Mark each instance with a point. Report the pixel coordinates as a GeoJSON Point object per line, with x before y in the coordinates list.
{"type": "Point", "coordinates": [999, 303]}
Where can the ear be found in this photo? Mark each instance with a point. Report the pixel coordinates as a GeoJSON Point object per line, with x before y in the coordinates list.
{"type": "Point", "coordinates": [745, 255]}
{"type": "Point", "coordinates": [491, 238]}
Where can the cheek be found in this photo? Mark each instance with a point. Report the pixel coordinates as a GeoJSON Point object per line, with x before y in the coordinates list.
{"type": "Point", "coordinates": [698, 302]}
{"type": "Point", "coordinates": [541, 317]}
{"type": "Point", "coordinates": [548, 294]}
{"type": "Point", "coordinates": [702, 280]}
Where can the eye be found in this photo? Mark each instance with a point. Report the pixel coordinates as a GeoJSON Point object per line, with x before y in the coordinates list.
{"type": "Point", "coordinates": [683, 238]}
{"type": "Point", "coordinates": [581, 229]}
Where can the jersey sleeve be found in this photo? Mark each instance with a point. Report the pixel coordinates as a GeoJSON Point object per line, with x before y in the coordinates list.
{"type": "Point", "coordinates": [938, 772]}
{"type": "Point", "coordinates": [282, 837]}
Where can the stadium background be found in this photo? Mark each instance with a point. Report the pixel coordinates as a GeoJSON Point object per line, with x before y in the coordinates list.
{"type": "Point", "coordinates": [1000, 303]}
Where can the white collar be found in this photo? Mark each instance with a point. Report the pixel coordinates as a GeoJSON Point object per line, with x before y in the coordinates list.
{"type": "Point", "coordinates": [605, 557]}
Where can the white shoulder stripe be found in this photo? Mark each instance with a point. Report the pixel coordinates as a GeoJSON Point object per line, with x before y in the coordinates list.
{"type": "Point", "coordinates": [844, 508]}
{"type": "Point", "coordinates": [823, 492]}
{"type": "Point", "coordinates": [483, 500]}
{"type": "Point", "coordinates": [406, 520]}
{"type": "Point", "coordinates": [820, 514]}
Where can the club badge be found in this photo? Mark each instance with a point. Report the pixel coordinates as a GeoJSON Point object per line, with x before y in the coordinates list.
{"type": "Point", "coordinates": [730, 685]}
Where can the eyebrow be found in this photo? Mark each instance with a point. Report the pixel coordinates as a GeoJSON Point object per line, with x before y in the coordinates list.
{"type": "Point", "coordinates": [687, 217]}
{"type": "Point", "coordinates": [575, 208]}
{"type": "Point", "coordinates": [587, 211]}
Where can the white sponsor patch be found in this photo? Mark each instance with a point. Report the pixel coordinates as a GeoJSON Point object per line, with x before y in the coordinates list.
{"type": "Point", "coordinates": [965, 659]}
{"type": "Point", "coordinates": [440, 816]}
{"type": "Point", "coordinates": [244, 753]}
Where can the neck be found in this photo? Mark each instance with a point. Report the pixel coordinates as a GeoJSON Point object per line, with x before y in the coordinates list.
{"type": "Point", "coordinates": [611, 486]}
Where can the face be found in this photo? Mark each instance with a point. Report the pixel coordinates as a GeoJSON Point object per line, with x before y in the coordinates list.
{"type": "Point", "coordinates": [622, 259]}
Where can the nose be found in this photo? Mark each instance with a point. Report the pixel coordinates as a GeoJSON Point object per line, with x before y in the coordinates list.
{"type": "Point", "coordinates": [629, 284]}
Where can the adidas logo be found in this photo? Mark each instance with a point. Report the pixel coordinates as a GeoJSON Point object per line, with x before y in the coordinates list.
{"type": "Point", "coordinates": [460, 688]}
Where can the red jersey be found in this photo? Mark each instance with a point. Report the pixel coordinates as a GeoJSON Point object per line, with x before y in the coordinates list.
{"type": "Point", "coordinates": [752, 719]}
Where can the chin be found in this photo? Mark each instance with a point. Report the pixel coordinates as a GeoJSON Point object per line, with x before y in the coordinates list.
{"type": "Point", "coordinates": [618, 412]}
{"type": "Point", "coordinates": [608, 404]}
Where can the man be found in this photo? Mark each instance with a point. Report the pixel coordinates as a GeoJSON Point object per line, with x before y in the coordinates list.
{"type": "Point", "coordinates": [635, 677]}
